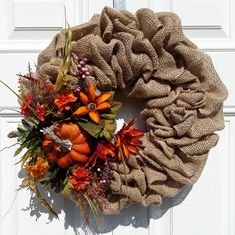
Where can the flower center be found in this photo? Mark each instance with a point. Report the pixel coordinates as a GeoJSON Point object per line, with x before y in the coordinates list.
{"type": "Point", "coordinates": [92, 106]}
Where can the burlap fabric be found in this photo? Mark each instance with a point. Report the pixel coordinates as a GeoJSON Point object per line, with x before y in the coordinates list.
{"type": "Point", "coordinates": [149, 55]}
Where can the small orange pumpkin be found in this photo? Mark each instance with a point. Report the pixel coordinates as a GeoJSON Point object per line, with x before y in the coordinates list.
{"type": "Point", "coordinates": [79, 146]}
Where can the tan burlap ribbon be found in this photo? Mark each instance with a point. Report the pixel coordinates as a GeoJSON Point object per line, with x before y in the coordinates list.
{"type": "Point", "coordinates": [149, 55]}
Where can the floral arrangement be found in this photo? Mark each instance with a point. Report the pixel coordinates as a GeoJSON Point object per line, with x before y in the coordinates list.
{"type": "Point", "coordinates": [69, 133]}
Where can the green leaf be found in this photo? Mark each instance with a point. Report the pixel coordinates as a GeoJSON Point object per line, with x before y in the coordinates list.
{"type": "Point", "coordinates": [109, 116]}
{"type": "Point", "coordinates": [113, 110]}
{"type": "Point", "coordinates": [67, 189]}
{"type": "Point", "coordinates": [92, 128]}
{"type": "Point", "coordinates": [59, 80]}
{"type": "Point", "coordinates": [18, 151]}
{"type": "Point", "coordinates": [115, 107]}
{"type": "Point", "coordinates": [106, 133]}
{"type": "Point", "coordinates": [25, 158]}
{"type": "Point", "coordinates": [65, 181]}
{"type": "Point", "coordinates": [109, 126]}
{"type": "Point", "coordinates": [63, 70]}
{"type": "Point", "coordinates": [22, 133]}
{"type": "Point", "coordinates": [13, 134]}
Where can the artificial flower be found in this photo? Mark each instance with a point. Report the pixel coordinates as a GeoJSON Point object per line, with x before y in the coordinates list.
{"type": "Point", "coordinates": [25, 110]}
{"type": "Point", "coordinates": [39, 170]}
{"type": "Point", "coordinates": [93, 104]}
{"type": "Point", "coordinates": [103, 151]}
{"type": "Point", "coordinates": [41, 111]}
{"type": "Point", "coordinates": [80, 178]}
{"type": "Point", "coordinates": [63, 101]}
{"type": "Point", "coordinates": [128, 140]}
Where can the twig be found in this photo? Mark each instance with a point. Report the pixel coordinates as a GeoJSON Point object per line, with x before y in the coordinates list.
{"type": "Point", "coordinates": [8, 147]}
{"type": "Point", "coordinates": [9, 109]}
{"type": "Point", "coordinates": [65, 145]}
{"type": "Point", "coordinates": [12, 204]}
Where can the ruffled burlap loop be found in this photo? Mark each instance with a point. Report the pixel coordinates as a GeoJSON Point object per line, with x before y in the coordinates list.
{"type": "Point", "coordinates": [149, 55]}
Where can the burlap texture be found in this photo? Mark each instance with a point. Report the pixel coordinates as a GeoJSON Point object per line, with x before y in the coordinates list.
{"type": "Point", "coordinates": [149, 55]}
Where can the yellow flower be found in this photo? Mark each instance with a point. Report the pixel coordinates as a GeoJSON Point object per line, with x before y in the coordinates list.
{"type": "Point", "coordinates": [39, 170]}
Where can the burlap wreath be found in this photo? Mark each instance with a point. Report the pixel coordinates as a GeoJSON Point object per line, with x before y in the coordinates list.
{"type": "Point", "coordinates": [183, 96]}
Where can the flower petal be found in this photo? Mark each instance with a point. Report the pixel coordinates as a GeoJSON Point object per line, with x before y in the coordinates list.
{"type": "Point", "coordinates": [132, 149]}
{"type": "Point", "coordinates": [71, 98]}
{"type": "Point", "coordinates": [84, 98]}
{"type": "Point", "coordinates": [103, 105]}
{"type": "Point", "coordinates": [103, 97]}
{"type": "Point", "coordinates": [119, 155]}
{"type": "Point", "coordinates": [131, 123]}
{"type": "Point", "coordinates": [83, 110]}
{"type": "Point", "coordinates": [125, 151]}
{"type": "Point", "coordinates": [94, 115]}
{"type": "Point", "coordinates": [91, 92]}
{"type": "Point", "coordinates": [136, 133]}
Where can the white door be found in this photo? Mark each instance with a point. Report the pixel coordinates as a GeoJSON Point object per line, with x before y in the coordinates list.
{"type": "Point", "coordinates": [208, 208]}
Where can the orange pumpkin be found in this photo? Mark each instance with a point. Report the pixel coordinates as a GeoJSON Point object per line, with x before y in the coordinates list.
{"type": "Point", "coordinates": [79, 146]}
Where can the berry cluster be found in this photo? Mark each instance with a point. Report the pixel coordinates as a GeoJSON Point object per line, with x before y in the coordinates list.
{"type": "Point", "coordinates": [76, 90]}
{"type": "Point", "coordinates": [105, 174]}
{"type": "Point", "coordinates": [83, 71]}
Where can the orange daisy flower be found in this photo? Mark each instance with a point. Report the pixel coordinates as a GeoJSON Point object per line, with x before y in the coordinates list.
{"type": "Point", "coordinates": [93, 104]}
{"type": "Point", "coordinates": [39, 170]}
{"type": "Point", "coordinates": [63, 100]}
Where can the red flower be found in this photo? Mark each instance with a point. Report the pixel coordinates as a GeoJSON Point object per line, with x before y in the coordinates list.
{"type": "Point", "coordinates": [128, 140]}
{"type": "Point", "coordinates": [25, 110]}
{"type": "Point", "coordinates": [80, 178]}
{"type": "Point", "coordinates": [63, 100]}
{"type": "Point", "coordinates": [102, 151]}
{"type": "Point", "coordinates": [93, 104]}
{"type": "Point", "coordinates": [41, 111]}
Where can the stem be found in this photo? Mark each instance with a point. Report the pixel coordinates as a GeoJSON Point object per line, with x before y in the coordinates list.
{"type": "Point", "coordinates": [124, 164]}
{"type": "Point", "coordinates": [8, 147]}
{"type": "Point", "coordinates": [11, 90]}
{"type": "Point", "coordinates": [15, 110]}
